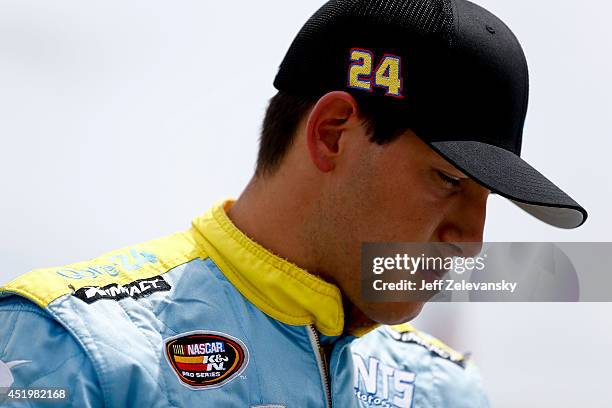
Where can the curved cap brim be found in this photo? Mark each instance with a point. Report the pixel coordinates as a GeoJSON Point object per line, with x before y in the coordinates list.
{"type": "Point", "coordinates": [506, 174]}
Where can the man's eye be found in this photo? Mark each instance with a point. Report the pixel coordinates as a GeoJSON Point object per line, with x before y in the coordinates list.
{"type": "Point", "coordinates": [451, 181]}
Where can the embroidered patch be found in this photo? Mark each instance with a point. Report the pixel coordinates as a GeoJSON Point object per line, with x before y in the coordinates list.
{"type": "Point", "coordinates": [206, 359]}
{"type": "Point", "coordinates": [136, 289]}
{"type": "Point", "coordinates": [363, 75]}
{"type": "Point", "coordinates": [439, 349]}
{"type": "Point", "coordinates": [377, 384]}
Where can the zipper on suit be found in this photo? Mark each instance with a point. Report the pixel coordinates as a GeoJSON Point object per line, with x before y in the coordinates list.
{"type": "Point", "coordinates": [321, 362]}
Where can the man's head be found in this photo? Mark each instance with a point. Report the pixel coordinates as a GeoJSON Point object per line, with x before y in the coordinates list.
{"type": "Point", "coordinates": [447, 69]}
{"type": "Point", "coordinates": [364, 183]}
{"type": "Point", "coordinates": [393, 122]}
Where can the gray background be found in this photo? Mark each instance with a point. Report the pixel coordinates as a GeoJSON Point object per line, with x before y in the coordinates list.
{"type": "Point", "coordinates": [120, 121]}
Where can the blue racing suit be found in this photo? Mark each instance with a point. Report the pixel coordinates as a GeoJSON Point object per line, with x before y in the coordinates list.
{"type": "Point", "coordinates": [209, 318]}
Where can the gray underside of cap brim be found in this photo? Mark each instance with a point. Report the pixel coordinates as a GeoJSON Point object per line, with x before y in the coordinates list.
{"type": "Point", "coordinates": [561, 217]}
{"type": "Point", "coordinates": [506, 174]}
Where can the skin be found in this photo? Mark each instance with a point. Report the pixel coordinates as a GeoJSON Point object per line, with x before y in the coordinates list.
{"type": "Point", "coordinates": [335, 189]}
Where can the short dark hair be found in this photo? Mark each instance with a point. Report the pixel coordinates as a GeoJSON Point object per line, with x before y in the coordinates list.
{"type": "Point", "coordinates": [286, 110]}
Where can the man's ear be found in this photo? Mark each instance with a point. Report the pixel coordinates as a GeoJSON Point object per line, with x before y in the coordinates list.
{"type": "Point", "coordinates": [333, 114]}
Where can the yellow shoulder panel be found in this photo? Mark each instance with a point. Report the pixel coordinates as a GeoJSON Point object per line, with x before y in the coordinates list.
{"type": "Point", "coordinates": [142, 261]}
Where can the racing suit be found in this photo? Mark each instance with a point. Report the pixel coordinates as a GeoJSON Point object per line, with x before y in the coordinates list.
{"type": "Point", "coordinates": [207, 317]}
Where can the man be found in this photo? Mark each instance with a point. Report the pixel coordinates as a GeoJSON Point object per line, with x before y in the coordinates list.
{"type": "Point", "coordinates": [393, 122]}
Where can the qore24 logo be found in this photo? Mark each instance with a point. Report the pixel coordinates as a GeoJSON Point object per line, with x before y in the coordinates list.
{"type": "Point", "coordinates": [379, 385]}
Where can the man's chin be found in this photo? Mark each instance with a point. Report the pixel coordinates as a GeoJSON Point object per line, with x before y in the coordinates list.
{"type": "Point", "coordinates": [391, 313]}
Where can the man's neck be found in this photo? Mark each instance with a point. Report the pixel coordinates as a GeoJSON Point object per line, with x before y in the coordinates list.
{"type": "Point", "coordinates": [354, 319]}
{"type": "Point", "coordinates": [276, 222]}
{"type": "Point", "coordinates": [264, 213]}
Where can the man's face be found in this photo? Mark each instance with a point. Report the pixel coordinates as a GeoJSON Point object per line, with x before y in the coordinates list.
{"type": "Point", "coordinates": [402, 191]}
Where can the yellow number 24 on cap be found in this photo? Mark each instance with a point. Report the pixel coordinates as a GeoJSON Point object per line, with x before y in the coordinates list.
{"type": "Point", "coordinates": [386, 75]}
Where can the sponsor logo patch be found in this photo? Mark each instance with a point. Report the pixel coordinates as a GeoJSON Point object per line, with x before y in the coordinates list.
{"type": "Point", "coordinates": [440, 349]}
{"type": "Point", "coordinates": [206, 359]}
{"type": "Point", "coordinates": [379, 385]}
{"type": "Point", "coordinates": [135, 290]}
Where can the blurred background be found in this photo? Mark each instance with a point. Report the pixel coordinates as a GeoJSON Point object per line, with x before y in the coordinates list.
{"type": "Point", "coordinates": [121, 121]}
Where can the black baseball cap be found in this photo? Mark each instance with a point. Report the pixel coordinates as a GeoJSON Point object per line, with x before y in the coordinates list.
{"type": "Point", "coordinates": [453, 70]}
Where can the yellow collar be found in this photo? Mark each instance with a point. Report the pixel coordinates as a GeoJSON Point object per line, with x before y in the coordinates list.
{"type": "Point", "coordinates": [277, 287]}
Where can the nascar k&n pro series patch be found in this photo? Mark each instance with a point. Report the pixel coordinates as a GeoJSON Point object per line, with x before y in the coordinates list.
{"type": "Point", "coordinates": [206, 359]}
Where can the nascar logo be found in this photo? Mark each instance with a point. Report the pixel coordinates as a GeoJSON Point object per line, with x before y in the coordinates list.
{"type": "Point", "coordinates": [206, 359]}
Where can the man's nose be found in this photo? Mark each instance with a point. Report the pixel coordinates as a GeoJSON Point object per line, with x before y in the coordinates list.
{"type": "Point", "coordinates": [465, 225]}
